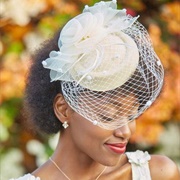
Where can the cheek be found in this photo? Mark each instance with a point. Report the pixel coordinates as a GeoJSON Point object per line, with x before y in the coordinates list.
{"type": "Point", "coordinates": [85, 134]}
{"type": "Point", "coordinates": [90, 140]}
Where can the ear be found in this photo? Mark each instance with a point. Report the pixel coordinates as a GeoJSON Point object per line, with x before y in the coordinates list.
{"type": "Point", "coordinates": [61, 108]}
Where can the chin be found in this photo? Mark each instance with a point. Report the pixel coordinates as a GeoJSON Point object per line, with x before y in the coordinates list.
{"type": "Point", "coordinates": [111, 164]}
{"type": "Point", "coordinates": [111, 161]}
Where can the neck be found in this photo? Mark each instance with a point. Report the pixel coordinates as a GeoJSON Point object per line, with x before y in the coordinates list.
{"type": "Point", "coordinates": [74, 163]}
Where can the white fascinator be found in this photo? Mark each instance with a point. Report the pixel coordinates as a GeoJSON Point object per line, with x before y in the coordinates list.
{"type": "Point", "coordinates": [108, 69]}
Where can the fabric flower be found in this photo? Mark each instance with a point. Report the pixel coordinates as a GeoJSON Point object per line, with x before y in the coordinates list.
{"type": "Point", "coordinates": [84, 45]}
{"type": "Point", "coordinates": [139, 157]}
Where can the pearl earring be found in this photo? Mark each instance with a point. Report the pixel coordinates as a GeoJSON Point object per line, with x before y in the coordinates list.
{"type": "Point", "coordinates": [65, 124]}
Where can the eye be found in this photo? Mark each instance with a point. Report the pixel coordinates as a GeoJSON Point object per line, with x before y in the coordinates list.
{"type": "Point", "coordinates": [106, 118]}
{"type": "Point", "coordinates": [130, 118]}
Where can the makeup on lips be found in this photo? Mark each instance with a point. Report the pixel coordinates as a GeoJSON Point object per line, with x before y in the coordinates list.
{"type": "Point", "coordinates": [118, 148]}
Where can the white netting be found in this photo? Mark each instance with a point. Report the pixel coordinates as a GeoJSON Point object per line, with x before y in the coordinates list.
{"type": "Point", "coordinates": [114, 108]}
{"type": "Point", "coordinates": [108, 69]}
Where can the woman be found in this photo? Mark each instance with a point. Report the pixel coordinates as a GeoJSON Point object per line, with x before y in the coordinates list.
{"type": "Point", "coordinates": [104, 73]}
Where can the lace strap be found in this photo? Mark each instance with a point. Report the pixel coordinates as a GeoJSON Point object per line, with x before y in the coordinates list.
{"type": "Point", "coordinates": [140, 166]}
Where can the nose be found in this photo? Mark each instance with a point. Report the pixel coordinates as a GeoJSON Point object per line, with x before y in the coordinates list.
{"type": "Point", "coordinates": [123, 132]}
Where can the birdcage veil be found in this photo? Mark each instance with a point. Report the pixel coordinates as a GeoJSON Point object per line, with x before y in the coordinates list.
{"type": "Point", "coordinates": [108, 69]}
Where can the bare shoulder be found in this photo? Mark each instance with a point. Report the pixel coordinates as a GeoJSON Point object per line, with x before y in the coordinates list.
{"type": "Point", "coordinates": [162, 167]}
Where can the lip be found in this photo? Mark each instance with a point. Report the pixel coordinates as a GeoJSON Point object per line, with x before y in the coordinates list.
{"type": "Point", "coordinates": [118, 148]}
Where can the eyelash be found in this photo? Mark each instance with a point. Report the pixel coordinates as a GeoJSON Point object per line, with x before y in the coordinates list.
{"type": "Point", "coordinates": [130, 118]}
{"type": "Point", "coordinates": [106, 118]}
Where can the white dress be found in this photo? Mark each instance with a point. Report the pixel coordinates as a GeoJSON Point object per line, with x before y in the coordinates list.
{"type": "Point", "coordinates": [139, 161]}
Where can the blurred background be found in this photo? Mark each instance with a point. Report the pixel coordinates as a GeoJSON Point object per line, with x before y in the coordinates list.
{"type": "Point", "coordinates": [25, 24]}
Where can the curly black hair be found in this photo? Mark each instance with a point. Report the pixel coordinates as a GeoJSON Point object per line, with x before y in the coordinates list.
{"type": "Point", "coordinates": [40, 92]}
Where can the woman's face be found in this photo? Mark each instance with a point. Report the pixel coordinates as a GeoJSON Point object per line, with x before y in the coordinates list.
{"type": "Point", "coordinates": [103, 146]}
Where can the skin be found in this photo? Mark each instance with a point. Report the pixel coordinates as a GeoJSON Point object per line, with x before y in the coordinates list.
{"type": "Point", "coordinates": [82, 154]}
